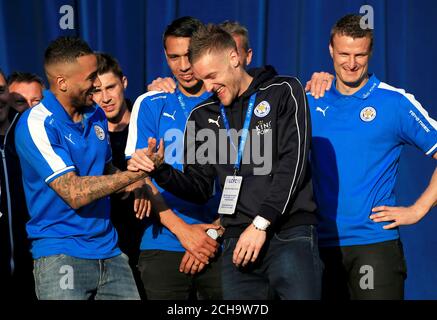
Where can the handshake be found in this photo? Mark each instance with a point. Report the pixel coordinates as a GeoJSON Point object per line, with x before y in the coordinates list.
{"type": "Point", "coordinates": [147, 159]}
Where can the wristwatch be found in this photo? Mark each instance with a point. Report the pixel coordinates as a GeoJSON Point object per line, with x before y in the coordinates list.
{"type": "Point", "coordinates": [213, 233]}
{"type": "Point", "coordinates": [261, 223]}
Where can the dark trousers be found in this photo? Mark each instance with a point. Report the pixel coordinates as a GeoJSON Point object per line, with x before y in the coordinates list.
{"type": "Point", "coordinates": [288, 268]}
{"type": "Point", "coordinates": [163, 281]}
{"type": "Point", "coordinates": [375, 272]}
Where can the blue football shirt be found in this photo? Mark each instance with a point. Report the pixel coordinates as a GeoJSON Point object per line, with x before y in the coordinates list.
{"type": "Point", "coordinates": [164, 115]}
{"type": "Point", "coordinates": [357, 142]}
{"type": "Point", "coordinates": [50, 144]}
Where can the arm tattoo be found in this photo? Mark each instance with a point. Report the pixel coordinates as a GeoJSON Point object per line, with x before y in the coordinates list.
{"type": "Point", "coordinates": [80, 191]}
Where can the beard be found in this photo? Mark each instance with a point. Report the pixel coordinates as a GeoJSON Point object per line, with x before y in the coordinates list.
{"type": "Point", "coordinates": [82, 100]}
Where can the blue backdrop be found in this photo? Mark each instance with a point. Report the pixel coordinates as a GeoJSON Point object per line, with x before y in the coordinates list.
{"type": "Point", "coordinates": [291, 35]}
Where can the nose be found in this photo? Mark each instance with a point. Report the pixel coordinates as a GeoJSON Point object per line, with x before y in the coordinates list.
{"type": "Point", "coordinates": [105, 96]}
{"type": "Point", "coordinates": [352, 62]}
{"type": "Point", "coordinates": [185, 64]}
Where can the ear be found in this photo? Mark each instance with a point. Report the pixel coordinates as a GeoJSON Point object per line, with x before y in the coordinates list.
{"type": "Point", "coordinates": [124, 82]}
{"type": "Point", "coordinates": [331, 51]}
{"type": "Point", "coordinates": [234, 58]}
{"type": "Point", "coordinates": [61, 83]}
{"type": "Point", "coordinates": [249, 57]}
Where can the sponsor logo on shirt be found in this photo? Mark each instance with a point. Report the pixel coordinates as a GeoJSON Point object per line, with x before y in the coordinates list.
{"type": "Point", "coordinates": [171, 116]}
{"type": "Point", "coordinates": [424, 127]}
{"type": "Point", "coordinates": [323, 111]}
{"type": "Point", "coordinates": [263, 127]}
{"type": "Point", "coordinates": [69, 138]}
{"type": "Point", "coordinates": [262, 109]}
{"type": "Point", "coordinates": [214, 121]}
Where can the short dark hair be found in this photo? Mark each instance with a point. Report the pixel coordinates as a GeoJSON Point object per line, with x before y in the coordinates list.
{"type": "Point", "coordinates": [350, 26]}
{"type": "Point", "coordinates": [107, 63]}
{"type": "Point", "coordinates": [209, 38]}
{"type": "Point", "coordinates": [235, 28]}
{"type": "Point", "coordinates": [66, 49]}
{"type": "Point", "coordinates": [25, 77]}
{"type": "Point", "coordinates": [183, 27]}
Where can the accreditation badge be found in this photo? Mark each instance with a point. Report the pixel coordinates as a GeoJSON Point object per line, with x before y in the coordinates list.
{"type": "Point", "coordinates": [230, 193]}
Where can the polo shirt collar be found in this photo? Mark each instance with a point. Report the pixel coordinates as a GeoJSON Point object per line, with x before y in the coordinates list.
{"type": "Point", "coordinates": [54, 106]}
{"type": "Point", "coordinates": [364, 92]}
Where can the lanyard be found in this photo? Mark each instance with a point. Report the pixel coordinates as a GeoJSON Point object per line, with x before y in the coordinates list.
{"type": "Point", "coordinates": [182, 103]}
{"type": "Point", "coordinates": [243, 140]}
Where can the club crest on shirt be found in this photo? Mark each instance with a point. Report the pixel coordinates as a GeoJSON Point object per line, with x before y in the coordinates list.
{"type": "Point", "coordinates": [262, 109]}
{"type": "Point", "coordinates": [100, 133]}
{"type": "Point", "coordinates": [368, 114]}
{"type": "Point", "coordinates": [263, 127]}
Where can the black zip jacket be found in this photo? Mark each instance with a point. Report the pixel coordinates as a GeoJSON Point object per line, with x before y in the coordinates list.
{"type": "Point", "coordinates": [281, 119]}
{"type": "Point", "coordinates": [16, 262]}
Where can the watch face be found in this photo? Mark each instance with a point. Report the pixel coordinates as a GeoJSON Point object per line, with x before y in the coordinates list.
{"type": "Point", "coordinates": [212, 233]}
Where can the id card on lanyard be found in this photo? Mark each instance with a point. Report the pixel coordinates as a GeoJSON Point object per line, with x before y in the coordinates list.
{"type": "Point", "coordinates": [231, 189]}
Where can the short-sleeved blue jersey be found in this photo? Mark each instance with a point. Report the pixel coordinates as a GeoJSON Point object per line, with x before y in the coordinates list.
{"type": "Point", "coordinates": [50, 144]}
{"type": "Point", "coordinates": [357, 142]}
{"type": "Point", "coordinates": [162, 115]}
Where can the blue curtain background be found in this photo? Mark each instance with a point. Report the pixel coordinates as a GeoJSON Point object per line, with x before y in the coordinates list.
{"type": "Point", "coordinates": [291, 35]}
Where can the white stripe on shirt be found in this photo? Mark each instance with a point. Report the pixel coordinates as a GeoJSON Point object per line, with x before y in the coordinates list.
{"type": "Point", "coordinates": [132, 137]}
{"type": "Point", "coordinates": [38, 134]}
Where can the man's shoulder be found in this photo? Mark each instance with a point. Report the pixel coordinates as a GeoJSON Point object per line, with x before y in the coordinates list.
{"type": "Point", "coordinates": [35, 115]}
{"type": "Point", "coordinates": [209, 105]}
{"type": "Point", "coordinates": [282, 82]}
{"type": "Point", "coordinates": [391, 92]}
{"type": "Point", "coordinates": [152, 97]}
{"type": "Point", "coordinates": [152, 102]}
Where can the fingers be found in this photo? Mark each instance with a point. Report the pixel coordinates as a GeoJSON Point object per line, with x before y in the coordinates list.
{"type": "Point", "coordinates": [151, 147]}
{"type": "Point", "coordinates": [202, 256]}
{"type": "Point", "coordinates": [189, 265]}
{"type": "Point", "coordinates": [161, 150]}
{"type": "Point", "coordinates": [186, 263]}
{"type": "Point", "coordinates": [242, 255]}
{"type": "Point", "coordinates": [162, 84]}
{"type": "Point", "coordinates": [384, 208]}
{"type": "Point", "coordinates": [320, 82]}
{"type": "Point", "coordinates": [329, 82]}
{"type": "Point", "coordinates": [308, 86]}
{"type": "Point", "coordinates": [382, 218]}
{"type": "Point", "coordinates": [201, 267]}
{"type": "Point", "coordinates": [169, 85]}
{"type": "Point", "coordinates": [141, 161]}
{"type": "Point", "coordinates": [149, 208]}
{"type": "Point", "coordinates": [392, 225]}
{"type": "Point", "coordinates": [248, 256]}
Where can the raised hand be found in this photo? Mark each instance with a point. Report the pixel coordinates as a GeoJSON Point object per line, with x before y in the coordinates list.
{"type": "Point", "coordinates": [162, 84]}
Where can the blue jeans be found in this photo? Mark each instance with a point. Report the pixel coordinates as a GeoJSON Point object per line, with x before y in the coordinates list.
{"type": "Point", "coordinates": [62, 277]}
{"type": "Point", "coordinates": [288, 268]}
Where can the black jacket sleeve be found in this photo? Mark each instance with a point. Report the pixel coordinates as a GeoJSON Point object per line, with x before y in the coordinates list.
{"type": "Point", "coordinates": [196, 183]}
{"type": "Point", "coordinates": [293, 141]}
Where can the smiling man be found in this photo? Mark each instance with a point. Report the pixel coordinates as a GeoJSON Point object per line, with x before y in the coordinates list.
{"type": "Point", "coordinates": [359, 129]}
{"type": "Point", "coordinates": [68, 175]}
{"type": "Point", "coordinates": [270, 242]}
{"type": "Point", "coordinates": [182, 227]}
{"type": "Point", "coordinates": [26, 90]}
